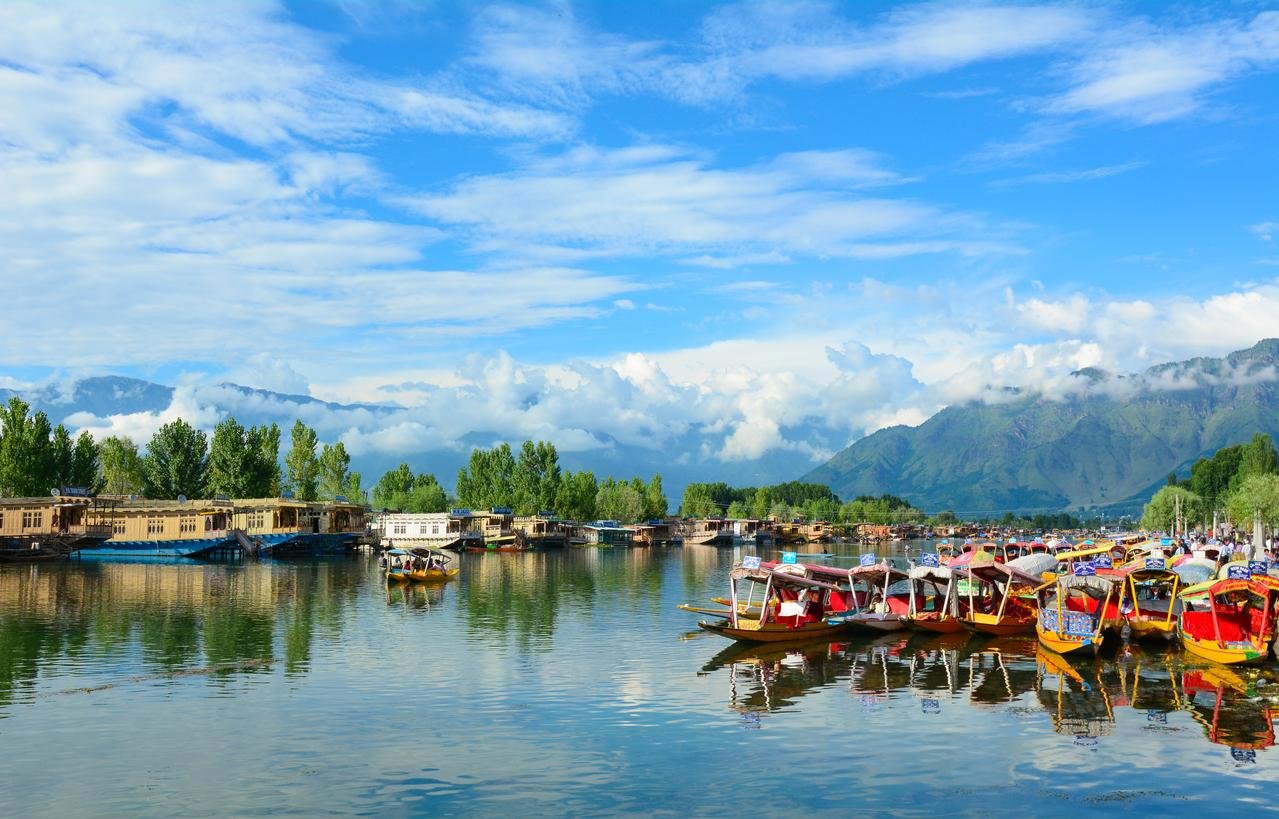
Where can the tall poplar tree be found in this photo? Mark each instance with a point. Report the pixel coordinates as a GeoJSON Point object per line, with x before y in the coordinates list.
{"type": "Point", "coordinates": [301, 463]}
{"type": "Point", "coordinates": [176, 462]}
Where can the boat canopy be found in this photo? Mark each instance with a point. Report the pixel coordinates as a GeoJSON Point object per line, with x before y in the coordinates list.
{"type": "Point", "coordinates": [940, 574]}
{"type": "Point", "coordinates": [1080, 554]}
{"type": "Point", "coordinates": [1035, 564]}
{"type": "Point", "coordinates": [1092, 585]}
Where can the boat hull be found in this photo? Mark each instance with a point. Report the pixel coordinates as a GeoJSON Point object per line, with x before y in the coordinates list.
{"type": "Point", "coordinates": [1065, 644]}
{"type": "Point", "coordinates": [947, 626]}
{"type": "Point", "coordinates": [987, 624]}
{"type": "Point", "coordinates": [425, 576]}
{"type": "Point", "coordinates": [888, 623]}
{"type": "Point", "coordinates": [774, 633]}
{"type": "Point", "coordinates": [1230, 654]}
{"type": "Point", "coordinates": [194, 548]}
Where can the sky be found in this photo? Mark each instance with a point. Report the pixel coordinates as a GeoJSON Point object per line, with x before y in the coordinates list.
{"type": "Point", "coordinates": [737, 229]}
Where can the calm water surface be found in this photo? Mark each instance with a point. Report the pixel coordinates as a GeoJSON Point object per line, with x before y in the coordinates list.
{"type": "Point", "coordinates": [551, 683]}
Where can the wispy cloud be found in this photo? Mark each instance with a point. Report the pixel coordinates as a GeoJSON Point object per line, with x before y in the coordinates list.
{"type": "Point", "coordinates": [1059, 177]}
{"type": "Point", "coordinates": [1265, 231]}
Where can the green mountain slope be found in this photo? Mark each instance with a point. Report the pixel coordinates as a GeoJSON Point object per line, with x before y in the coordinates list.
{"type": "Point", "coordinates": [1109, 444]}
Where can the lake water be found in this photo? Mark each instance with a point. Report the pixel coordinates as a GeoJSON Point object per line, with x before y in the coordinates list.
{"type": "Point", "coordinates": [569, 683]}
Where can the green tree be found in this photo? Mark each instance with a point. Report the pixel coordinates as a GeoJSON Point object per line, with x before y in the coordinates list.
{"type": "Point", "coordinates": [63, 456]}
{"type": "Point", "coordinates": [655, 504]}
{"type": "Point", "coordinates": [353, 490]}
{"type": "Point", "coordinates": [27, 462]}
{"type": "Point", "coordinates": [1210, 478]}
{"type": "Point", "coordinates": [618, 500]}
{"type": "Point", "coordinates": [120, 467]}
{"type": "Point", "coordinates": [1257, 458]}
{"type": "Point", "coordinates": [488, 482]}
{"type": "Point", "coordinates": [575, 499]}
{"type": "Point", "coordinates": [1255, 493]}
{"type": "Point", "coordinates": [176, 462]}
{"type": "Point", "coordinates": [301, 464]}
{"type": "Point", "coordinates": [334, 464]}
{"type": "Point", "coordinates": [400, 489]}
{"type": "Point", "coordinates": [84, 463]}
{"type": "Point", "coordinates": [699, 502]}
{"type": "Point", "coordinates": [536, 478]}
{"type": "Point", "coordinates": [230, 460]}
{"type": "Point", "coordinates": [263, 442]}
{"type": "Point", "coordinates": [1160, 513]}
{"type": "Point", "coordinates": [737, 510]}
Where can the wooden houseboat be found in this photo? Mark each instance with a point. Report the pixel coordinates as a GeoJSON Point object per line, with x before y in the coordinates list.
{"type": "Point", "coordinates": [142, 527]}
{"type": "Point", "coordinates": [543, 530]}
{"type": "Point", "coordinates": [656, 533]}
{"type": "Point", "coordinates": [279, 527]}
{"type": "Point", "coordinates": [710, 532]}
{"type": "Point", "coordinates": [50, 527]}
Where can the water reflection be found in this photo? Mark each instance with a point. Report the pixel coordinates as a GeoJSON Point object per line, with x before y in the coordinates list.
{"type": "Point", "coordinates": [142, 618]}
{"type": "Point", "coordinates": [1083, 700]}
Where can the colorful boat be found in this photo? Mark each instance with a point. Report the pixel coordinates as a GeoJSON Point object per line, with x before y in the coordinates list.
{"type": "Point", "coordinates": [1231, 620]}
{"type": "Point", "coordinates": [1000, 599]}
{"type": "Point", "coordinates": [878, 606]}
{"type": "Point", "coordinates": [1076, 611]}
{"type": "Point", "coordinates": [939, 610]}
{"type": "Point", "coordinates": [1148, 599]}
{"type": "Point", "coordinates": [418, 566]}
{"type": "Point", "coordinates": [794, 605]}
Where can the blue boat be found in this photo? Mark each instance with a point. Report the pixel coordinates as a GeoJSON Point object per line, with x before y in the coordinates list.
{"type": "Point", "coordinates": [165, 528]}
{"type": "Point", "coordinates": [194, 548]}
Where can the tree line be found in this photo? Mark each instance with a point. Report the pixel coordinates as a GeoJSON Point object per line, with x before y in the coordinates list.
{"type": "Point", "coordinates": [527, 482]}
{"type": "Point", "coordinates": [178, 461]}
{"type": "Point", "coordinates": [1236, 481]}
{"type": "Point", "coordinates": [794, 499]}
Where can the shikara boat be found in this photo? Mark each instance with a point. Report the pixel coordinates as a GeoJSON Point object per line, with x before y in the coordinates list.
{"type": "Point", "coordinates": [1076, 611]}
{"type": "Point", "coordinates": [794, 605]}
{"type": "Point", "coordinates": [879, 606]}
{"type": "Point", "coordinates": [1000, 599]}
{"type": "Point", "coordinates": [1148, 599]}
{"type": "Point", "coordinates": [418, 566]}
{"type": "Point", "coordinates": [934, 600]}
{"type": "Point", "coordinates": [1230, 620]}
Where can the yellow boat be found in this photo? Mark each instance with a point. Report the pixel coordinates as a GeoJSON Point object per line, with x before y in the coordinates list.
{"type": "Point", "coordinates": [418, 566]}
{"type": "Point", "coordinates": [1231, 620]}
{"type": "Point", "coordinates": [1075, 612]}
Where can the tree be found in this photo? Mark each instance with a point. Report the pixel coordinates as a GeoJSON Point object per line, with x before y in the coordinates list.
{"type": "Point", "coordinates": [301, 463]}
{"type": "Point", "coordinates": [353, 490]}
{"type": "Point", "coordinates": [176, 462]}
{"type": "Point", "coordinates": [120, 467]}
{"type": "Point", "coordinates": [536, 478]}
{"type": "Point", "coordinates": [619, 500]}
{"type": "Point", "coordinates": [27, 463]}
{"type": "Point", "coordinates": [737, 511]}
{"type": "Point", "coordinates": [1210, 478]}
{"type": "Point", "coordinates": [229, 460]}
{"type": "Point", "coordinates": [575, 499]}
{"type": "Point", "coordinates": [334, 464]}
{"type": "Point", "coordinates": [488, 481]}
{"type": "Point", "coordinates": [62, 456]}
{"type": "Point", "coordinates": [400, 489]}
{"type": "Point", "coordinates": [699, 502]}
{"type": "Point", "coordinates": [1160, 513]}
{"type": "Point", "coordinates": [655, 504]}
{"type": "Point", "coordinates": [84, 463]}
{"type": "Point", "coordinates": [263, 443]}
{"type": "Point", "coordinates": [1257, 458]}
{"type": "Point", "coordinates": [1255, 493]}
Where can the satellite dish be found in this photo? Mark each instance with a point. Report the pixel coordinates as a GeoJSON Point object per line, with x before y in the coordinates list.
{"type": "Point", "coordinates": [182, 498]}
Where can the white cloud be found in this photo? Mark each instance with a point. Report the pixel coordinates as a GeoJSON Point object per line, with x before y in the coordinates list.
{"type": "Point", "coordinates": [659, 199]}
{"type": "Point", "coordinates": [1084, 175]}
{"type": "Point", "coordinates": [1265, 231]}
{"type": "Point", "coordinates": [1150, 75]}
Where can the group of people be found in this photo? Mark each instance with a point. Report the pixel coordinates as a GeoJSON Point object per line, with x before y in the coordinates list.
{"type": "Point", "coordinates": [413, 563]}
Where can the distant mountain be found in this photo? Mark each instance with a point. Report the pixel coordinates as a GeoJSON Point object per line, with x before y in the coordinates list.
{"type": "Point", "coordinates": [1107, 441]}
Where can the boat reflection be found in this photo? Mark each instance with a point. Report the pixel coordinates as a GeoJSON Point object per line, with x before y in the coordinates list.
{"type": "Point", "coordinates": [1083, 698]}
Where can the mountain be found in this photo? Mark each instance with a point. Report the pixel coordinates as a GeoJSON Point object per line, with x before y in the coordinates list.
{"type": "Point", "coordinates": [1107, 441]}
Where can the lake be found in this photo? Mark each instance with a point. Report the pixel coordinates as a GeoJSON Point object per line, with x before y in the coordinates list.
{"type": "Point", "coordinates": [569, 683]}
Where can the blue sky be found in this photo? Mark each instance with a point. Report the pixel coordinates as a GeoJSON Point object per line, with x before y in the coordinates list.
{"type": "Point", "coordinates": [759, 226]}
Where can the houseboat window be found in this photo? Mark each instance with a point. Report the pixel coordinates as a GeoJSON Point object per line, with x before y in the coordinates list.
{"type": "Point", "coordinates": [435, 530]}
{"type": "Point", "coordinates": [32, 520]}
{"type": "Point", "coordinates": [186, 525]}
{"type": "Point", "coordinates": [117, 527]}
{"type": "Point", "coordinates": [1, 520]}
{"type": "Point", "coordinates": [400, 529]}
{"type": "Point", "coordinates": [155, 526]}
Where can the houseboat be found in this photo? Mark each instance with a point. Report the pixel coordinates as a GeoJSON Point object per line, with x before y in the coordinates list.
{"type": "Point", "coordinates": [606, 533]}
{"type": "Point", "coordinates": [284, 526]}
{"type": "Point", "coordinates": [710, 532]}
{"type": "Point", "coordinates": [542, 531]}
{"type": "Point", "coordinates": [49, 527]}
{"type": "Point", "coordinates": [141, 527]}
{"type": "Point", "coordinates": [656, 533]}
{"type": "Point", "coordinates": [428, 530]}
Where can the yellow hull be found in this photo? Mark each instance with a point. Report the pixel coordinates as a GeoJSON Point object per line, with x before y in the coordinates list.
{"type": "Point", "coordinates": [1211, 650]}
{"type": "Point", "coordinates": [990, 624]}
{"type": "Point", "coordinates": [1063, 644]}
{"type": "Point", "coordinates": [428, 576]}
{"type": "Point", "coordinates": [1153, 630]}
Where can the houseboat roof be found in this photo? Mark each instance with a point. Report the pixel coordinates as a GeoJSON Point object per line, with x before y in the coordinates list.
{"type": "Point", "coordinates": [274, 502]}
{"type": "Point", "coordinates": [158, 505]}
{"type": "Point", "coordinates": [50, 500]}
